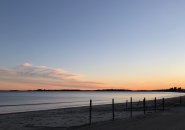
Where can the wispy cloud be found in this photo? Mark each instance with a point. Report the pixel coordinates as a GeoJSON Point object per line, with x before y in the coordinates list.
{"type": "Point", "coordinates": [41, 71]}
{"type": "Point", "coordinates": [27, 65]}
{"type": "Point", "coordinates": [29, 74]}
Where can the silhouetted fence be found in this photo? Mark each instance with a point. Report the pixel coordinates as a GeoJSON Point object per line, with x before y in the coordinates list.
{"type": "Point", "coordinates": [130, 107]}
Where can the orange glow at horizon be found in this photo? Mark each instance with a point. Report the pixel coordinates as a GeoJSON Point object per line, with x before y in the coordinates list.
{"type": "Point", "coordinates": [43, 77]}
{"type": "Point", "coordinates": [16, 86]}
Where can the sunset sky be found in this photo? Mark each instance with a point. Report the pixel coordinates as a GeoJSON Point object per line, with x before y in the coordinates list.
{"type": "Point", "coordinates": [92, 44]}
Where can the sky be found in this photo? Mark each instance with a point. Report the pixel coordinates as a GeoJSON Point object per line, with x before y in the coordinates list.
{"type": "Point", "coordinates": [92, 44]}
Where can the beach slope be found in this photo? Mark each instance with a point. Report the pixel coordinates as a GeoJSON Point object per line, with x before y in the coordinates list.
{"type": "Point", "coordinates": [173, 119]}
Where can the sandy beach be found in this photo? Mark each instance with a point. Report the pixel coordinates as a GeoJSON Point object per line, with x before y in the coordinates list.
{"type": "Point", "coordinates": [78, 117]}
{"type": "Point", "coordinates": [172, 119]}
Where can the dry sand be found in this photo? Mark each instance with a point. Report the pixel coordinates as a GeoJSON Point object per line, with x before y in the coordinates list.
{"type": "Point", "coordinates": [172, 118]}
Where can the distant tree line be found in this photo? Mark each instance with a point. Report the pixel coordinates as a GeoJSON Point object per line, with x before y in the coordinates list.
{"type": "Point", "coordinates": [175, 89]}
{"type": "Point", "coordinates": [172, 89]}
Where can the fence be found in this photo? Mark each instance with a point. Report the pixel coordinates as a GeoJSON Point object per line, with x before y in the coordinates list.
{"type": "Point", "coordinates": [140, 106]}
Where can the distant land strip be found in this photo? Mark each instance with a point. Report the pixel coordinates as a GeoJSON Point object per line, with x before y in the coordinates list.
{"type": "Point", "coordinates": [173, 89]}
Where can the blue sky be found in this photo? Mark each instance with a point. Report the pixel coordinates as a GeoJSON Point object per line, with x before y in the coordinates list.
{"type": "Point", "coordinates": [115, 42]}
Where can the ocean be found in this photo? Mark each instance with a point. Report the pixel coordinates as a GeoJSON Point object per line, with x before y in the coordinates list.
{"type": "Point", "coordinates": [22, 101]}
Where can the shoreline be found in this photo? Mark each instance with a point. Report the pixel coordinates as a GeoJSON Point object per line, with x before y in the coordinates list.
{"type": "Point", "coordinates": [28, 105]}
{"type": "Point", "coordinates": [65, 118]}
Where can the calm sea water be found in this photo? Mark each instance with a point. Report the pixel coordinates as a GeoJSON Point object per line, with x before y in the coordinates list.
{"type": "Point", "coordinates": [11, 102]}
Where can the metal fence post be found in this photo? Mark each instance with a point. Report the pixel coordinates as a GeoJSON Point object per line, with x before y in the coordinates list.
{"type": "Point", "coordinates": [155, 104]}
{"type": "Point", "coordinates": [126, 104]}
{"type": "Point", "coordinates": [131, 107]}
{"type": "Point", "coordinates": [112, 109]}
{"type": "Point", "coordinates": [90, 112]}
{"type": "Point", "coordinates": [163, 104]}
{"type": "Point", "coordinates": [144, 106]}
